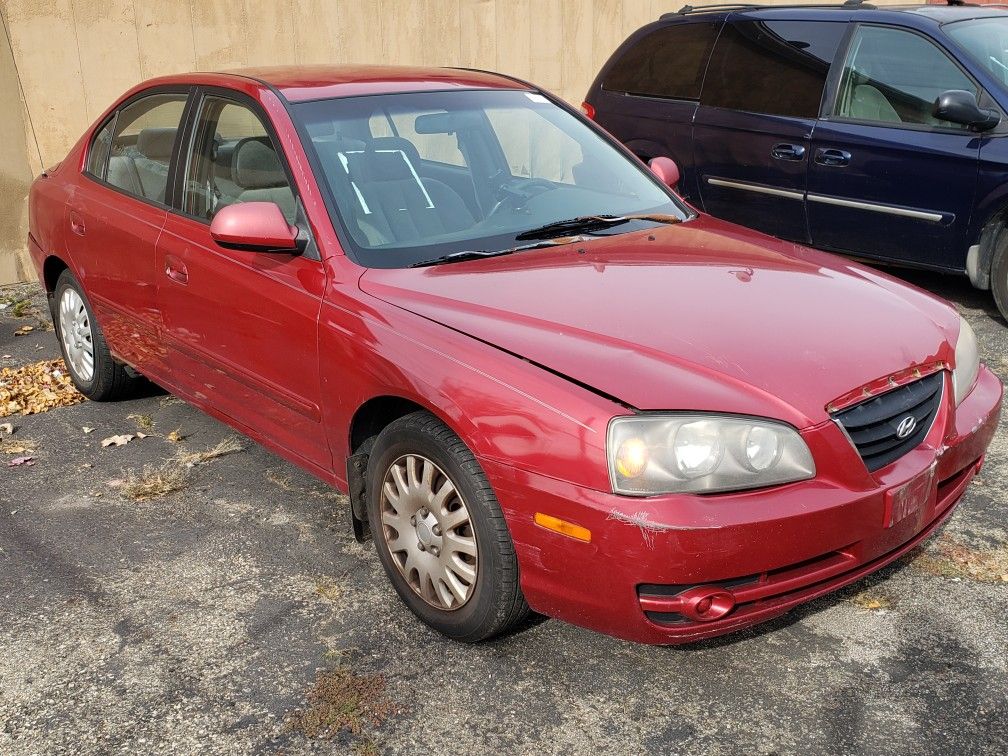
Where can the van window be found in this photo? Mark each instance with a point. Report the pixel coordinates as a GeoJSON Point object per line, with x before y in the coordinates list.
{"type": "Point", "coordinates": [668, 62]}
{"type": "Point", "coordinates": [773, 67]}
{"type": "Point", "coordinates": [894, 76]}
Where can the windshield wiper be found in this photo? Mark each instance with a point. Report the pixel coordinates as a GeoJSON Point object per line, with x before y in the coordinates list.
{"type": "Point", "coordinates": [474, 254]}
{"type": "Point", "coordinates": [587, 223]}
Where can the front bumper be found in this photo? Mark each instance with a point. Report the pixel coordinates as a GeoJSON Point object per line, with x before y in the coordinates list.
{"type": "Point", "coordinates": [771, 549]}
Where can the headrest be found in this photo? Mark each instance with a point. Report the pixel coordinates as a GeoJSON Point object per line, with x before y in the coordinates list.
{"type": "Point", "coordinates": [156, 143]}
{"type": "Point", "coordinates": [386, 159]}
{"type": "Point", "coordinates": [255, 165]}
{"type": "Point", "coordinates": [322, 129]}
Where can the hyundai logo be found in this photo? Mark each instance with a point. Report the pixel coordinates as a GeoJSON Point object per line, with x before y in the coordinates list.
{"type": "Point", "coordinates": [906, 426]}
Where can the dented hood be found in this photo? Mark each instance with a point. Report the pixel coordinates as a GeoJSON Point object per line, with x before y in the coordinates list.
{"type": "Point", "coordinates": [699, 316]}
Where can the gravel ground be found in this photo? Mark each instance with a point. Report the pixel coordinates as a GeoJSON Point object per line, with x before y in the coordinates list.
{"type": "Point", "coordinates": [237, 615]}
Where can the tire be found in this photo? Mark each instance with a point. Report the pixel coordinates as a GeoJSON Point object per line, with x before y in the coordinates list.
{"type": "Point", "coordinates": [411, 544]}
{"type": "Point", "coordinates": [86, 354]}
{"type": "Point", "coordinates": [999, 276]}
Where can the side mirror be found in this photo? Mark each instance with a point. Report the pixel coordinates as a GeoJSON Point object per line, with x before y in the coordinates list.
{"type": "Point", "coordinates": [256, 226]}
{"type": "Point", "coordinates": [960, 106]}
{"type": "Point", "coordinates": [666, 170]}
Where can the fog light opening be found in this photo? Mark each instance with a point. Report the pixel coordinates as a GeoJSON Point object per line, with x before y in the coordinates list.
{"type": "Point", "coordinates": [705, 603]}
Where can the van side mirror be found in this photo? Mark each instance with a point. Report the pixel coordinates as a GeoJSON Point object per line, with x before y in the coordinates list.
{"type": "Point", "coordinates": [666, 170]}
{"type": "Point", "coordinates": [960, 106]}
{"type": "Point", "coordinates": [254, 226]}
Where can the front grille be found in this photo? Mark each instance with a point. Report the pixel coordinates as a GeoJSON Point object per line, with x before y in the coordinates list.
{"type": "Point", "coordinates": [873, 425]}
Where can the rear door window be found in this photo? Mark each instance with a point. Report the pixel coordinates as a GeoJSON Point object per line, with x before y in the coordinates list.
{"type": "Point", "coordinates": [772, 67]}
{"type": "Point", "coordinates": [894, 76]}
{"type": "Point", "coordinates": [142, 146]}
{"type": "Point", "coordinates": [668, 62]}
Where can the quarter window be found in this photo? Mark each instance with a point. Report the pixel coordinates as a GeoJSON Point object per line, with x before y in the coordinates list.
{"type": "Point", "coordinates": [234, 160]}
{"type": "Point", "coordinates": [893, 76]}
{"type": "Point", "coordinates": [141, 149]}
{"type": "Point", "coordinates": [98, 152]}
{"type": "Point", "coordinates": [669, 62]}
{"type": "Point", "coordinates": [772, 67]}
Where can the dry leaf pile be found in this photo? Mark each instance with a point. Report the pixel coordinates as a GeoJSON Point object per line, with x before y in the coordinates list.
{"type": "Point", "coordinates": [951, 558]}
{"type": "Point", "coordinates": [38, 387]}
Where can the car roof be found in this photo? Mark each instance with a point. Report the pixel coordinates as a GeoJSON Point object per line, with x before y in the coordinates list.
{"type": "Point", "coordinates": [911, 15]}
{"type": "Point", "coordinates": [318, 82]}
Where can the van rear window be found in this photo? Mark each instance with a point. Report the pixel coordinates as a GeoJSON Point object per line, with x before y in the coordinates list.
{"type": "Point", "coordinates": [668, 62]}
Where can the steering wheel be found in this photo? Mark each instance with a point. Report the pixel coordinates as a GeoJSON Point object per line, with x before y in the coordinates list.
{"type": "Point", "coordinates": [515, 193]}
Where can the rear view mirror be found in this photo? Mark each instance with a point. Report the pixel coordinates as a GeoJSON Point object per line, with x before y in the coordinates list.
{"type": "Point", "coordinates": [666, 170]}
{"type": "Point", "coordinates": [256, 226]}
{"type": "Point", "coordinates": [960, 106]}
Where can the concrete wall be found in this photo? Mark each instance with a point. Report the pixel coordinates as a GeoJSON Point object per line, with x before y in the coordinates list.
{"type": "Point", "coordinates": [74, 57]}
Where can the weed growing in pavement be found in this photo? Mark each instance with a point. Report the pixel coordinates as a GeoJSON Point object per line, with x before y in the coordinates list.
{"type": "Point", "coordinates": [948, 557]}
{"type": "Point", "coordinates": [342, 701]}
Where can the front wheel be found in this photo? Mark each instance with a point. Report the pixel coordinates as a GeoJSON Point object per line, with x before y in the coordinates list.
{"type": "Point", "coordinates": [90, 364]}
{"type": "Point", "coordinates": [440, 533]}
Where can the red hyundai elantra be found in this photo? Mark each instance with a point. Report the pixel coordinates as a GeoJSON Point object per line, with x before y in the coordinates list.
{"type": "Point", "coordinates": [544, 380]}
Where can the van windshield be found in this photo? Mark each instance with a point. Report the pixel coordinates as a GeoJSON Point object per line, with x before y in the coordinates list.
{"type": "Point", "coordinates": [986, 41]}
{"type": "Point", "coordinates": [416, 176]}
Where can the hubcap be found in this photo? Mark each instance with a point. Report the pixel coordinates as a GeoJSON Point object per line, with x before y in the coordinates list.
{"type": "Point", "coordinates": [75, 332]}
{"type": "Point", "coordinates": [428, 532]}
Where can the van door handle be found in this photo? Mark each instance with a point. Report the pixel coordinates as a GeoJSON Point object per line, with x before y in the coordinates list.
{"type": "Point", "coordinates": [76, 223]}
{"type": "Point", "coordinates": [833, 158]}
{"type": "Point", "coordinates": [785, 151]}
{"type": "Point", "coordinates": [176, 271]}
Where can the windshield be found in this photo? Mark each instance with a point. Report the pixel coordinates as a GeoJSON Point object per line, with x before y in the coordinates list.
{"type": "Point", "coordinates": [986, 40]}
{"type": "Point", "coordinates": [417, 176]}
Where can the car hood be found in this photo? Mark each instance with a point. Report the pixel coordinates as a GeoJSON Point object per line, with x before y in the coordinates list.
{"type": "Point", "coordinates": [704, 315]}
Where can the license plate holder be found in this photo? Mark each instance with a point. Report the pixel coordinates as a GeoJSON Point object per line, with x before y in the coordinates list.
{"type": "Point", "coordinates": [910, 498]}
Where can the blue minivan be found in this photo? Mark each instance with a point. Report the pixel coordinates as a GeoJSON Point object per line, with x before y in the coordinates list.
{"type": "Point", "coordinates": [879, 133]}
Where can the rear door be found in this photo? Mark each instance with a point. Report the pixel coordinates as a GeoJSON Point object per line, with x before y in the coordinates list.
{"type": "Point", "coordinates": [753, 129]}
{"type": "Point", "coordinates": [241, 327]}
{"type": "Point", "coordinates": [647, 96]}
{"type": "Point", "coordinates": [887, 179]}
{"type": "Point", "coordinates": [115, 216]}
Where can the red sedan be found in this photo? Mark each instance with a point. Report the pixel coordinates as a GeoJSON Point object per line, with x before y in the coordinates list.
{"type": "Point", "coordinates": [544, 380]}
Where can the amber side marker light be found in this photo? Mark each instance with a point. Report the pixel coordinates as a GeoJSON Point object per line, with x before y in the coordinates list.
{"type": "Point", "coordinates": [562, 527]}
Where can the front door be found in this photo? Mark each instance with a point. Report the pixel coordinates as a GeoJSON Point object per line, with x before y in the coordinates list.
{"type": "Point", "coordinates": [887, 179]}
{"type": "Point", "coordinates": [241, 327]}
{"type": "Point", "coordinates": [760, 100]}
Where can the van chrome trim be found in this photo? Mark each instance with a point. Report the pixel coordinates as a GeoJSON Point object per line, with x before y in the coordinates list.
{"type": "Point", "coordinates": [758, 188]}
{"type": "Point", "coordinates": [878, 208]}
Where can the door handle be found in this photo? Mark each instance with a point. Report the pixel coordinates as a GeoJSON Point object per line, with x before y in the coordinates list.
{"type": "Point", "coordinates": [785, 151]}
{"type": "Point", "coordinates": [832, 157]}
{"type": "Point", "coordinates": [76, 223]}
{"type": "Point", "coordinates": [176, 271]}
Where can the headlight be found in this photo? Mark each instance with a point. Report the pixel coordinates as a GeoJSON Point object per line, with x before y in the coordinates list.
{"type": "Point", "coordinates": [655, 454]}
{"type": "Point", "coordinates": [967, 361]}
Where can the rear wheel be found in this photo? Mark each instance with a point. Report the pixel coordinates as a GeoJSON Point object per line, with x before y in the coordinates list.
{"type": "Point", "coordinates": [999, 276]}
{"type": "Point", "coordinates": [87, 357]}
{"type": "Point", "coordinates": [440, 533]}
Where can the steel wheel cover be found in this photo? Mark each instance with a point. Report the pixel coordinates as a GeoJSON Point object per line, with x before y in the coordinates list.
{"type": "Point", "coordinates": [75, 332]}
{"type": "Point", "coordinates": [428, 532]}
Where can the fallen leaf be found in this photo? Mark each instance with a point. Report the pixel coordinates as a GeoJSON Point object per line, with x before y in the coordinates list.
{"type": "Point", "coordinates": [8, 357]}
{"type": "Point", "coordinates": [7, 428]}
{"type": "Point", "coordinates": [24, 330]}
{"type": "Point", "coordinates": [86, 429]}
{"type": "Point", "coordinates": [140, 435]}
{"type": "Point", "coordinates": [37, 387]}
{"type": "Point", "coordinates": [120, 440]}
{"type": "Point", "coordinates": [175, 436]}
{"type": "Point", "coordinates": [18, 447]}
{"type": "Point", "coordinates": [21, 462]}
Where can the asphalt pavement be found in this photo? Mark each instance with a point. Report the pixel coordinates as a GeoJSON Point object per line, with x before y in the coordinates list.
{"type": "Point", "coordinates": [236, 614]}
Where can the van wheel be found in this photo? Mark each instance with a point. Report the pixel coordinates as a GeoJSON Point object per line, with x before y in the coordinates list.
{"type": "Point", "coordinates": [999, 278]}
{"type": "Point", "coordinates": [440, 533]}
{"type": "Point", "coordinates": [92, 369]}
